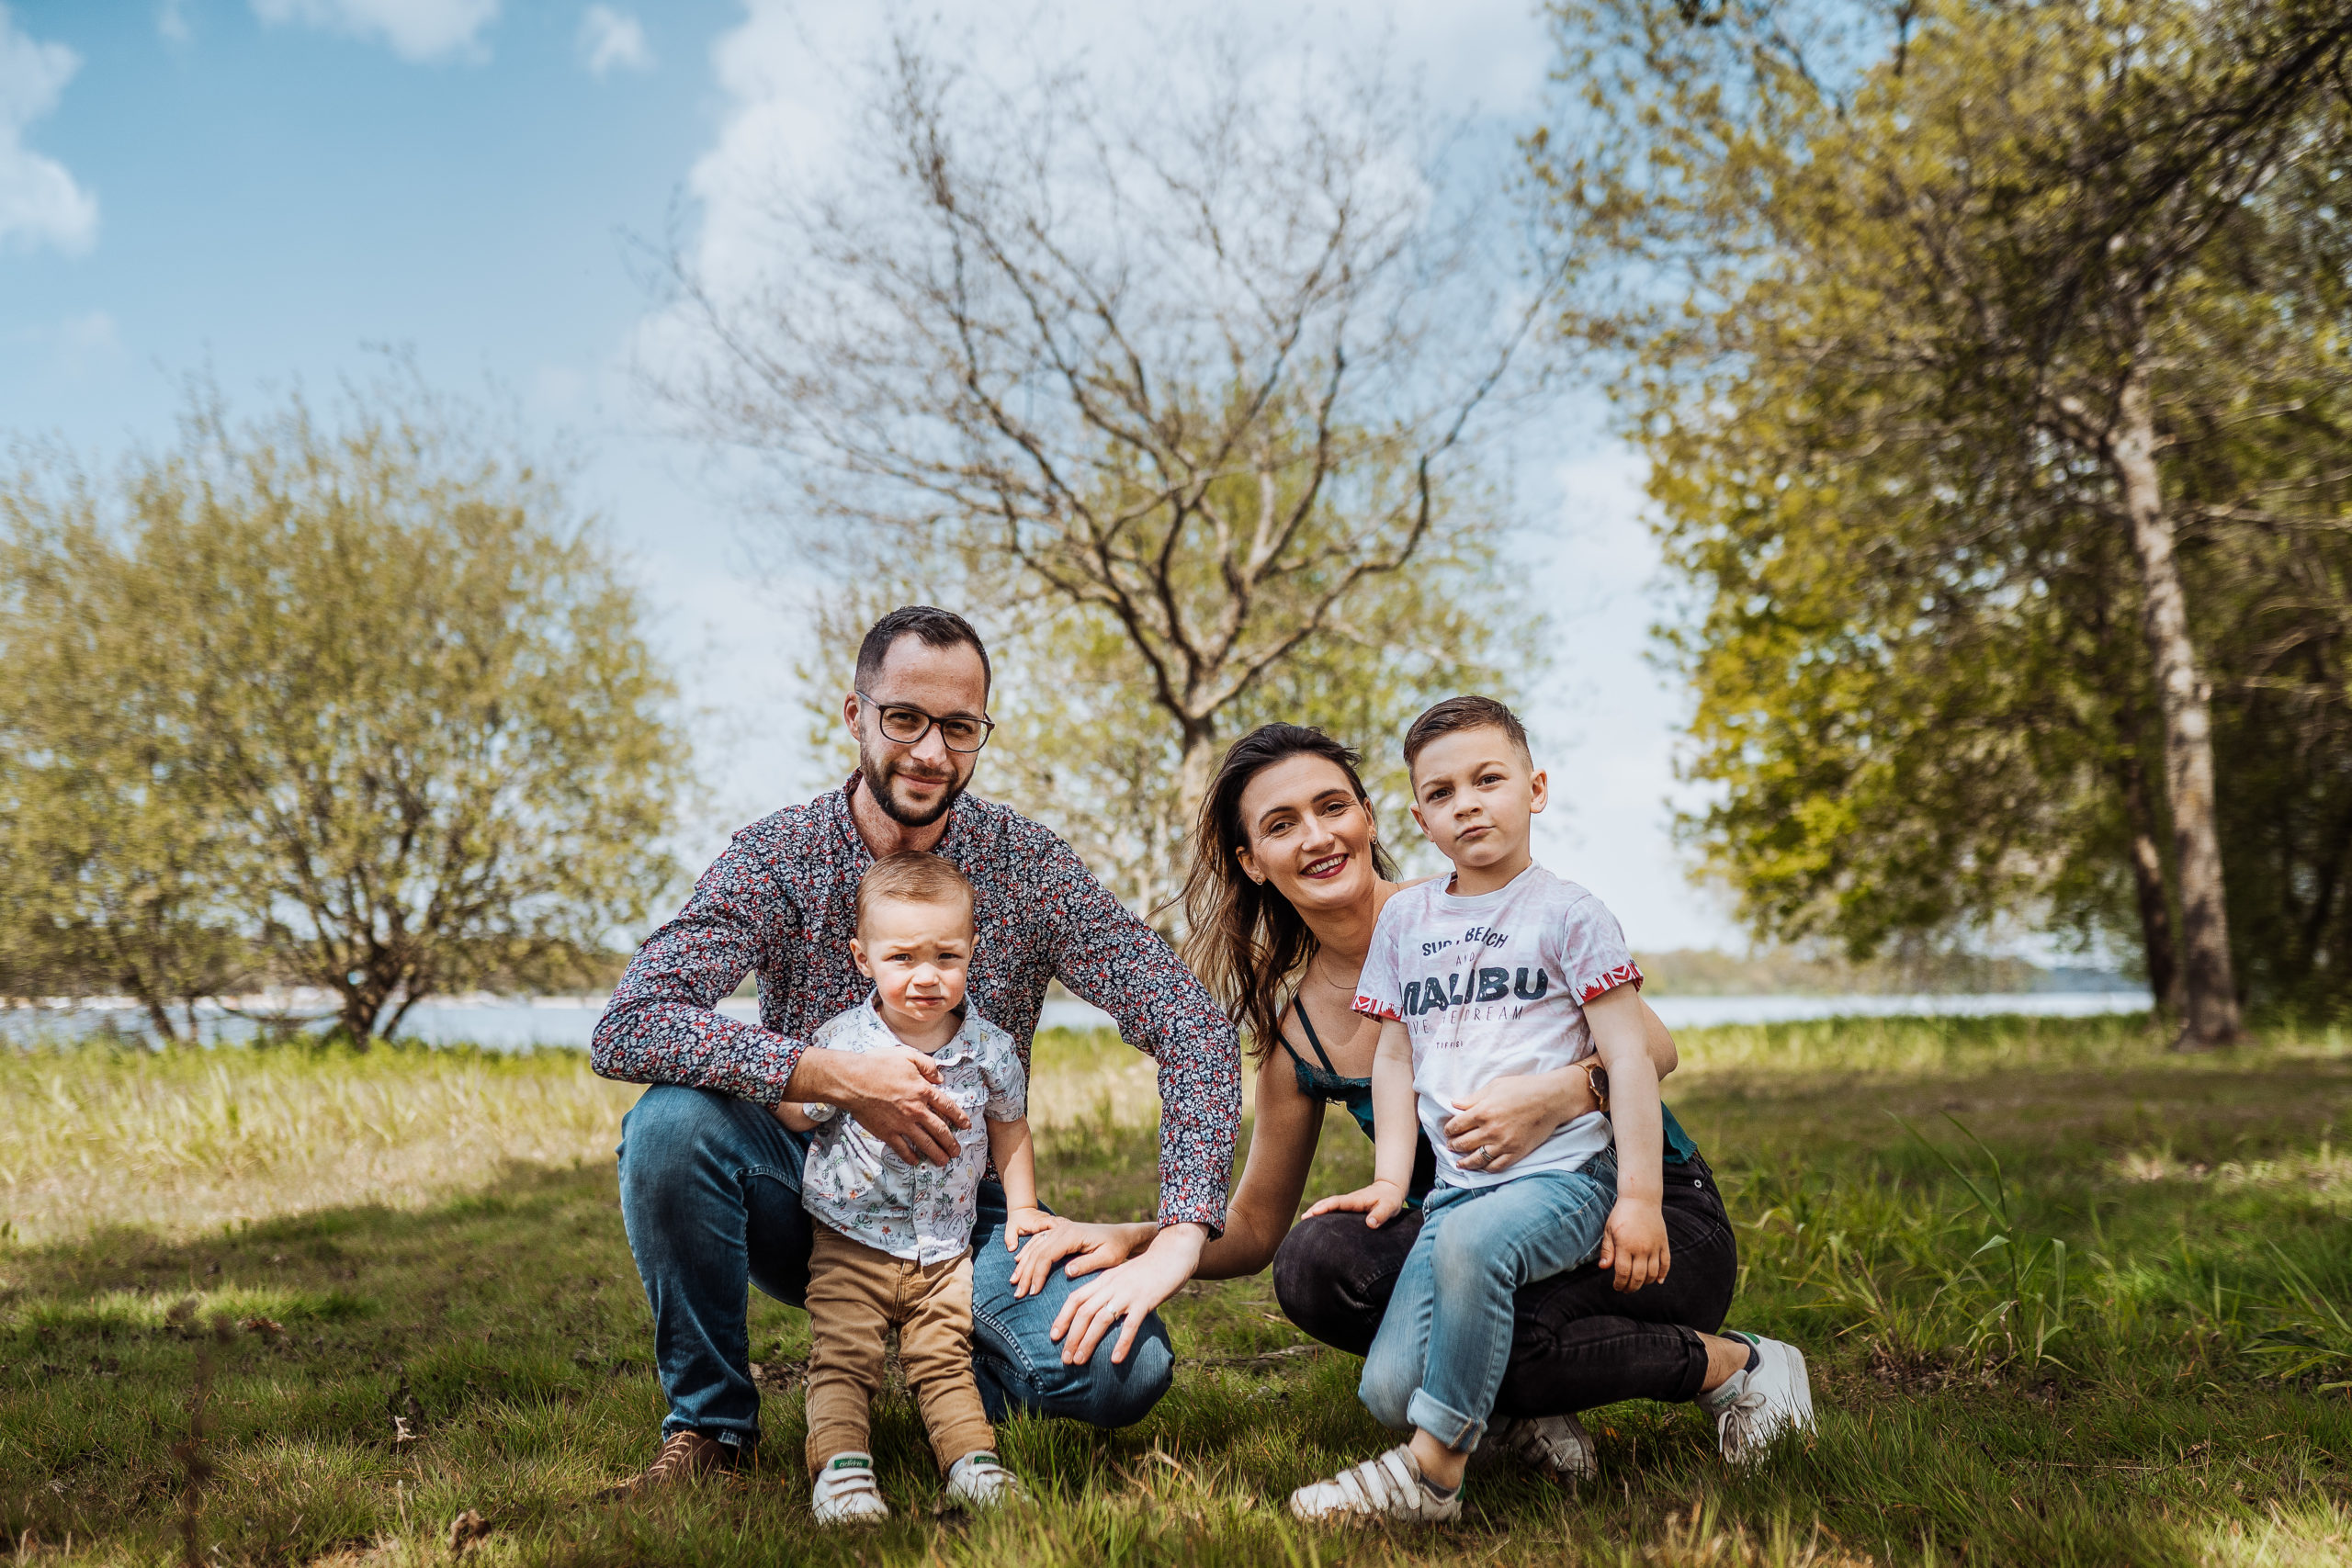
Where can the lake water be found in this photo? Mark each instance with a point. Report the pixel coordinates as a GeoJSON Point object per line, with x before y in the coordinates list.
{"type": "Point", "coordinates": [568, 1021]}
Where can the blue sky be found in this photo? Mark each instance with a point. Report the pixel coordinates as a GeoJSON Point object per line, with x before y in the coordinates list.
{"type": "Point", "coordinates": [267, 187]}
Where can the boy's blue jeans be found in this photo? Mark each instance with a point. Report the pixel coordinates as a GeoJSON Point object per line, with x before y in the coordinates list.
{"type": "Point", "coordinates": [1438, 1360]}
{"type": "Point", "coordinates": [710, 1193]}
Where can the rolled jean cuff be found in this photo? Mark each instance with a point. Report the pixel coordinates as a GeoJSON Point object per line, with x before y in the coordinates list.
{"type": "Point", "coordinates": [1456, 1431]}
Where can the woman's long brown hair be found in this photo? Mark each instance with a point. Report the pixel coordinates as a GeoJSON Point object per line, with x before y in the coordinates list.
{"type": "Point", "coordinates": [1244, 937]}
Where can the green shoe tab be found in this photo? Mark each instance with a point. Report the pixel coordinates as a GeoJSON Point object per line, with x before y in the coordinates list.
{"type": "Point", "coordinates": [849, 1461]}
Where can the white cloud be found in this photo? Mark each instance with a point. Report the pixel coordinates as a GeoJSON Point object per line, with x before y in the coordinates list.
{"type": "Point", "coordinates": [40, 202]}
{"type": "Point", "coordinates": [415, 29]}
{"type": "Point", "coordinates": [611, 40]}
{"type": "Point", "coordinates": [171, 20]}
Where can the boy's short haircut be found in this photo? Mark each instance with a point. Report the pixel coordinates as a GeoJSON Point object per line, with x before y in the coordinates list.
{"type": "Point", "coordinates": [911, 876]}
{"type": "Point", "coordinates": [1456, 713]}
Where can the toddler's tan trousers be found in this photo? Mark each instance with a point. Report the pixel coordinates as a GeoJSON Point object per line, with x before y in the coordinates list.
{"type": "Point", "coordinates": [857, 1295]}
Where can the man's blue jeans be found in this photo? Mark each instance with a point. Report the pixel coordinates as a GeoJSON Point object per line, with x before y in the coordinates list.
{"type": "Point", "coordinates": [1438, 1360]}
{"type": "Point", "coordinates": [711, 1192]}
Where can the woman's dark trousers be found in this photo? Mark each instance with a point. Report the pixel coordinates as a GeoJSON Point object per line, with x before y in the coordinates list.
{"type": "Point", "coordinates": [1577, 1342]}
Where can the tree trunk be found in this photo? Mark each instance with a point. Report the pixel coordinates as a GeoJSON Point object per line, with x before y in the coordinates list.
{"type": "Point", "coordinates": [159, 1017]}
{"type": "Point", "coordinates": [363, 1004]}
{"type": "Point", "coordinates": [2209, 988]}
{"type": "Point", "coordinates": [1197, 769]}
{"type": "Point", "coordinates": [2148, 885]}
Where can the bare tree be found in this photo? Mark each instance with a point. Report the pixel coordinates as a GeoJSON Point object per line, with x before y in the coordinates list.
{"type": "Point", "coordinates": [1202, 368]}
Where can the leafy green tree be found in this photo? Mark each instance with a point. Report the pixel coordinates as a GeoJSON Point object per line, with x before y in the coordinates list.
{"type": "Point", "coordinates": [405, 691]}
{"type": "Point", "coordinates": [112, 849]}
{"type": "Point", "coordinates": [1977, 290]}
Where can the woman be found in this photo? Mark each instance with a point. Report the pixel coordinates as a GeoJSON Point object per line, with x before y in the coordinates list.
{"type": "Point", "coordinates": [1287, 881]}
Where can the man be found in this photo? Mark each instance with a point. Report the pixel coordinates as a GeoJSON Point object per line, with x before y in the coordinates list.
{"type": "Point", "coordinates": [710, 1179]}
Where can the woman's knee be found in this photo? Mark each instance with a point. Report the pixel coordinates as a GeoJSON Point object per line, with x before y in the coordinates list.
{"type": "Point", "coordinates": [1333, 1277]}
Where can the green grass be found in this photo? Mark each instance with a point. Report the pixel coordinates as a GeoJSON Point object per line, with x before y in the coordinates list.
{"type": "Point", "coordinates": [2181, 1399]}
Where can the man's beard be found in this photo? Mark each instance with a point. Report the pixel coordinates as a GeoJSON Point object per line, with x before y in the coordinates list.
{"type": "Point", "coordinates": [877, 784]}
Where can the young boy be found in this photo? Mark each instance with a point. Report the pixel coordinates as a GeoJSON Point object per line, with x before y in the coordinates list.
{"type": "Point", "coordinates": [893, 1244]}
{"type": "Point", "coordinates": [1502, 969]}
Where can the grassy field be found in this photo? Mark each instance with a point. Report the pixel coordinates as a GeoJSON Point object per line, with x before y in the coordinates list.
{"type": "Point", "coordinates": [399, 1289]}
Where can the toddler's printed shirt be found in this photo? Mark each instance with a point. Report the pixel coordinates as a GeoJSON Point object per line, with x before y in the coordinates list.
{"type": "Point", "coordinates": [917, 1210]}
{"type": "Point", "coordinates": [1491, 985]}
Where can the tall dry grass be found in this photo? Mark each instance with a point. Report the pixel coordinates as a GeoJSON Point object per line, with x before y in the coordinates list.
{"type": "Point", "coordinates": [187, 1141]}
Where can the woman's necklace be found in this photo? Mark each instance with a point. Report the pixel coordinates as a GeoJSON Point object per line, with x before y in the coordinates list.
{"type": "Point", "coordinates": [1335, 985]}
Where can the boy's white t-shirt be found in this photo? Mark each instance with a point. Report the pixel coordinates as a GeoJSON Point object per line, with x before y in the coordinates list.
{"type": "Point", "coordinates": [1492, 986]}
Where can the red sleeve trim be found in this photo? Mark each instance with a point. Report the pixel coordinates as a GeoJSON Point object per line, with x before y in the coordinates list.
{"type": "Point", "coordinates": [1626, 973]}
{"type": "Point", "coordinates": [1372, 1007]}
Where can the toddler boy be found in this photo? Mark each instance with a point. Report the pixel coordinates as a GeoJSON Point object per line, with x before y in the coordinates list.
{"type": "Point", "coordinates": [893, 1239]}
{"type": "Point", "coordinates": [1502, 968]}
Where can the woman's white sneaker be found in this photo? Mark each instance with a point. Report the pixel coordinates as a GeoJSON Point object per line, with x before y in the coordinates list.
{"type": "Point", "coordinates": [977, 1481]}
{"type": "Point", "coordinates": [1389, 1487]}
{"type": "Point", "coordinates": [846, 1494]}
{"type": "Point", "coordinates": [1757, 1405]}
{"type": "Point", "coordinates": [1556, 1446]}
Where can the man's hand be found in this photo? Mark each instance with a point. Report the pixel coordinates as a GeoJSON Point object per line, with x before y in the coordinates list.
{"type": "Point", "coordinates": [1090, 1248]}
{"type": "Point", "coordinates": [1510, 1118]}
{"type": "Point", "coordinates": [1379, 1203]}
{"type": "Point", "coordinates": [1131, 1291]}
{"type": "Point", "coordinates": [1633, 1244]}
{"type": "Point", "coordinates": [894, 1094]}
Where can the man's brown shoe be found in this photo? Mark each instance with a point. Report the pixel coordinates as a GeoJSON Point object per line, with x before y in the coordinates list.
{"type": "Point", "coordinates": [684, 1456]}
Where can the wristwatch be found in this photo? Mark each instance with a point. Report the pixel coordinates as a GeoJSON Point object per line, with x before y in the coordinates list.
{"type": "Point", "coordinates": [1596, 1078]}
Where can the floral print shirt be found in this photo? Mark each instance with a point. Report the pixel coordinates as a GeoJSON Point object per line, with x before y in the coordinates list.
{"type": "Point", "coordinates": [917, 1210]}
{"type": "Point", "coordinates": [780, 903]}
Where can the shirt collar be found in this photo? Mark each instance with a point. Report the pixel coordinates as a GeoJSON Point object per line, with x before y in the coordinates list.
{"type": "Point", "coordinates": [959, 1048]}
{"type": "Point", "coordinates": [847, 820]}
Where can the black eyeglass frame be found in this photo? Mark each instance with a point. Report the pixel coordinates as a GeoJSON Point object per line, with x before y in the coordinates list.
{"type": "Point", "coordinates": [931, 721]}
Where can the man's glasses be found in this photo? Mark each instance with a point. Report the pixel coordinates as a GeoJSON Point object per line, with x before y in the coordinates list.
{"type": "Point", "coordinates": [907, 726]}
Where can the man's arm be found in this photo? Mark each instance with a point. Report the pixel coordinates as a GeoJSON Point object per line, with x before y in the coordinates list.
{"type": "Point", "coordinates": [1107, 956]}
{"type": "Point", "coordinates": [665, 1025]}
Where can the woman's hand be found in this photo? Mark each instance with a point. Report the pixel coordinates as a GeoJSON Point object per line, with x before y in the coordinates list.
{"type": "Point", "coordinates": [1126, 1295]}
{"type": "Point", "coordinates": [1379, 1203]}
{"type": "Point", "coordinates": [1510, 1118]}
{"type": "Point", "coordinates": [1090, 1248]}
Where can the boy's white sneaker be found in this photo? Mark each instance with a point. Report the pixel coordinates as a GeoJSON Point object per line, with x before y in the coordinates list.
{"type": "Point", "coordinates": [1755, 1406]}
{"type": "Point", "coordinates": [977, 1481]}
{"type": "Point", "coordinates": [1556, 1446]}
{"type": "Point", "coordinates": [1389, 1487]}
{"type": "Point", "coordinates": [846, 1494]}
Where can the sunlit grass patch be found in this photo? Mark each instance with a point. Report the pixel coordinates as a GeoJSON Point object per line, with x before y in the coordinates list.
{"type": "Point", "coordinates": [2183, 1413]}
{"type": "Point", "coordinates": [183, 1141]}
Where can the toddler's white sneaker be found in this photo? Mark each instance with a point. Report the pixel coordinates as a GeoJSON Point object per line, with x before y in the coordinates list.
{"type": "Point", "coordinates": [1389, 1487]}
{"type": "Point", "coordinates": [846, 1494]}
{"type": "Point", "coordinates": [977, 1481]}
{"type": "Point", "coordinates": [1755, 1406]}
